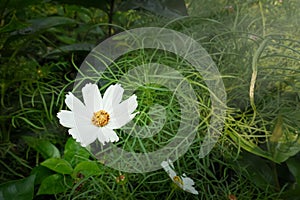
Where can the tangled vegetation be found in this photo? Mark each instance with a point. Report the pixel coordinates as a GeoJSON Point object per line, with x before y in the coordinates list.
{"type": "Point", "coordinates": [256, 46]}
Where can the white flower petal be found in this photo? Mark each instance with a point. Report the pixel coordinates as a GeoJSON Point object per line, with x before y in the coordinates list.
{"type": "Point", "coordinates": [70, 119]}
{"type": "Point", "coordinates": [187, 180]}
{"type": "Point", "coordinates": [130, 104]}
{"type": "Point", "coordinates": [110, 135]}
{"type": "Point", "coordinates": [92, 97]}
{"type": "Point", "coordinates": [118, 120]}
{"type": "Point", "coordinates": [112, 96]}
{"type": "Point", "coordinates": [87, 133]}
{"type": "Point", "coordinates": [188, 184]}
{"type": "Point", "coordinates": [193, 191]}
{"type": "Point", "coordinates": [168, 167]}
{"type": "Point", "coordinates": [66, 118]}
{"type": "Point", "coordinates": [101, 137]}
{"type": "Point", "coordinates": [75, 134]}
{"type": "Point", "coordinates": [122, 113]}
{"type": "Point", "coordinates": [69, 100]}
{"type": "Point", "coordinates": [76, 105]}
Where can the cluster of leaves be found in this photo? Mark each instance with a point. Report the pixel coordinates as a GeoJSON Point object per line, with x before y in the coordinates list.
{"type": "Point", "coordinates": [31, 79]}
{"type": "Point", "coordinates": [38, 41]}
{"type": "Point", "coordinates": [258, 53]}
{"type": "Point", "coordinates": [56, 174]}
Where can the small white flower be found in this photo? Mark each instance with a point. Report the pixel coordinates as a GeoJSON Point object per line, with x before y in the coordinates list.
{"type": "Point", "coordinates": [98, 116]}
{"type": "Point", "coordinates": [183, 181]}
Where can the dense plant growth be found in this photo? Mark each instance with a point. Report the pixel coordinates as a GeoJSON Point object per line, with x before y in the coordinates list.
{"type": "Point", "coordinates": [254, 43]}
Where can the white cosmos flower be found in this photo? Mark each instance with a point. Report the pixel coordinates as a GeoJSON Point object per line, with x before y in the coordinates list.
{"type": "Point", "coordinates": [183, 181]}
{"type": "Point", "coordinates": [97, 117]}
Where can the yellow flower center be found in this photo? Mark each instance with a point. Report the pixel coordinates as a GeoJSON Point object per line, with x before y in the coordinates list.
{"type": "Point", "coordinates": [177, 179]}
{"type": "Point", "coordinates": [100, 118]}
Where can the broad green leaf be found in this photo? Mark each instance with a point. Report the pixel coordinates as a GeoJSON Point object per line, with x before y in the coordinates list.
{"type": "Point", "coordinates": [74, 153]}
{"type": "Point", "coordinates": [49, 22]}
{"type": "Point", "coordinates": [40, 173]}
{"type": "Point", "coordinates": [58, 165]}
{"type": "Point", "coordinates": [258, 169]}
{"type": "Point", "coordinates": [44, 147]}
{"type": "Point", "coordinates": [43, 24]}
{"type": "Point", "coordinates": [21, 189]}
{"type": "Point", "coordinates": [88, 168]}
{"type": "Point", "coordinates": [294, 167]}
{"type": "Point", "coordinates": [66, 39]}
{"type": "Point", "coordinates": [287, 146]}
{"type": "Point", "coordinates": [248, 145]}
{"type": "Point", "coordinates": [73, 47]}
{"type": "Point", "coordinates": [54, 184]}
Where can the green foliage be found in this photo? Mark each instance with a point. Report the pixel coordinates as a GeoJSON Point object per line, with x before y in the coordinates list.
{"type": "Point", "coordinates": [294, 167]}
{"type": "Point", "coordinates": [57, 175]}
{"type": "Point", "coordinates": [20, 189]}
{"type": "Point", "coordinates": [256, 47]}
{"type": "Point", "coordinates": [44, 147]}
{"type": "Point", "coordinates": [74, 153]}
{"type": "Point", "coordinates": [87, 169]}
{"type": "Point", "coordinates": [58, 165]}
{"type": "Point", "coordinates": [166, 8]}
{"type": "Point", "coordinates": [260, 171]}
{"type": "Point", "coordinates": [40, 173]}
{"type": "Point", "coordinates": [54, 184]}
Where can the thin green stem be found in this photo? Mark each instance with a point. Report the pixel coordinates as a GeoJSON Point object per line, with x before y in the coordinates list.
{"type": "Point", "coordinates": [171, 194]}
{"type": "Point", "coordinates": [11, 170]}
{"type": "Point", "coordinates": [263, 18]}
